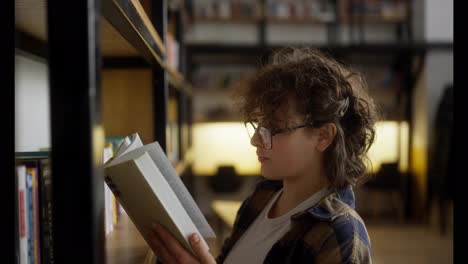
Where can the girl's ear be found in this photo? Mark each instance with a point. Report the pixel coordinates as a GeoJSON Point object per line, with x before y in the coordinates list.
{"type": "Point", "coordinates": [327, 133]}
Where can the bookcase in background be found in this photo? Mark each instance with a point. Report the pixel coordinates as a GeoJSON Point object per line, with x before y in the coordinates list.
{"type": "Point", "coordinates": [376, 37]}
{"type": "Point", "coordinates": [112, 71]}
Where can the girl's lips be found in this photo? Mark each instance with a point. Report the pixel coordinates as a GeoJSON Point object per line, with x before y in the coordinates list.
{"type": "Point", "coordinates": [262, 159]}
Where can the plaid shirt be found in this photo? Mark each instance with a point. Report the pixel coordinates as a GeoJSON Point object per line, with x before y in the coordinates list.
{"type": "Point", "coordinates": [329, 232]}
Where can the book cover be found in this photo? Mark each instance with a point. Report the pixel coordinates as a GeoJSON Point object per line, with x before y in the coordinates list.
{"type": "Point", "coordinates": [148, 188]}
{"type": "Point", "coordinates": [135, 148]}
{"type": "Point", "coordinates": [147, 198]}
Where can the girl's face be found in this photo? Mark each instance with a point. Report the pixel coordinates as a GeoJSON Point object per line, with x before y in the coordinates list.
{"type": "Point", "coordinates": [293, 154]}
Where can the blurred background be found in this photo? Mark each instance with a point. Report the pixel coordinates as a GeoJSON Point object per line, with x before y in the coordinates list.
{"type": "Point", "coordinates": [403, 47]}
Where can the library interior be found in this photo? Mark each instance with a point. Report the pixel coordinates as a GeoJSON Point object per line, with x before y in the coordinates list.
{"type": "Point", "coordinates": [93, 76]}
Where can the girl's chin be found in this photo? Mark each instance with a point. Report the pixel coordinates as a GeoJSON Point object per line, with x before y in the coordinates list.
{"type": "Point", "coordinates": [269, 175]}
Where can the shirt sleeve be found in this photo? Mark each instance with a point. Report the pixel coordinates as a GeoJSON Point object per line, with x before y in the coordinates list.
{"type": "Point", "coordinates": [352, 250]}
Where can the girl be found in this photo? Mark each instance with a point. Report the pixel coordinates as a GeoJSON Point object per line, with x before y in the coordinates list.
{"type": "Point", "coordinates": [312, 123]}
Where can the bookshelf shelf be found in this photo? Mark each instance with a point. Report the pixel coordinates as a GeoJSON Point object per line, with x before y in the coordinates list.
{"type": "Point", "coordinates": [31, 19]}
{"type": "Point", "coordinates": [377, 19]}
{"type": "Point", "coordinates": [129, 18]}
{"type": "Point", "coordinates": [125, 28]}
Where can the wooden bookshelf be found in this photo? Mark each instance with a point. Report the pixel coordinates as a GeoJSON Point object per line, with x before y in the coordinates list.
{"type": "Point", "coordinates": [132, 22]}
{"type": "Point", "coordinates": [31, 18]}
{"type": "Point", "coordinates": [127, 94]}
{"type": "Point", "coordinates": [89, 102]}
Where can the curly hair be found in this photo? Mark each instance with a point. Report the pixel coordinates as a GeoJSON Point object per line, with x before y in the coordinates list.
{"type": "Point", "coordinates": [325, 91]}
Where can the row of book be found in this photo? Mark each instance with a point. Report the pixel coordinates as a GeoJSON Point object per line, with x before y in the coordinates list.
{"type": "Point", "coordinates": [319, 10]}
{"type": "Point", "coordinates": [33, 203]}
{"type": "Point", "coordinates": [34, 243]}
{"type": "Point", "coordinates": [227, 9]}
{"type": "Point", "coordinates": [173, 51]}
{"type": "Point", "coordinates": [382, 8]}
{"type": "Point", "coordinates": [113, 209]}
{"type": "Point", "coordinates": [301, 10]}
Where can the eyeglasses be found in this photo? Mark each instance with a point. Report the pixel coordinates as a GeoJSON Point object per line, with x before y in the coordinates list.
{"type": "Point", "coordinates": [267, 134]}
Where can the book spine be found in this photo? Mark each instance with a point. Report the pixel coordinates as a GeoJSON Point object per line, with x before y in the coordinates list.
{"type": "Point", "coordinates": [30, 223]}
{"type": "Point", "coordinates": [17, 219]}
{"type": "Point", "coordinates": [106, 216]}
{"type": "Point", "coordinates": [46, 212]}
{"type": "Point", "coordinates": [22, 217]}
{"type": "Point", "coordinates": [36, 214]}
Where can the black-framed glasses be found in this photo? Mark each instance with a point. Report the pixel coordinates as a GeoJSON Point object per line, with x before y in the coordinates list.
{"type": "Point", "coordinates": [267, 134]}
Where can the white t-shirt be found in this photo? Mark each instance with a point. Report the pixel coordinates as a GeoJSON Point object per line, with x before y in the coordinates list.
{"type": "Point", "coordinates": [264, 232]}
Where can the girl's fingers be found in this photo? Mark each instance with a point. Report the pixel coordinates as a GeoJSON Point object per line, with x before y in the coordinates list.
{"type": "Point", "coordinates": [180, 254]}
{"type": "Point", "coordinates": [201, 250]}
{"type": "Point", "coordinates": [160, 249]}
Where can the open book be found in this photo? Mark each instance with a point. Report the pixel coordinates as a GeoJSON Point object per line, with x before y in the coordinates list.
{"type": "Point", "coordinates": [149, 189]}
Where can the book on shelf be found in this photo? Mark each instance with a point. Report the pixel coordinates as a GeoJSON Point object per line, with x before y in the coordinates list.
{"type": "Point", "coordinates": [227, 9]}
{"type": "Point", "coordinates": [306, 10]}
{"type": "Point", "coordinates": [108, 195]}
{"type": "Point", "coordinates": [22, 210]}
{"type": "Point", "coordinates": [173, 50]}
{"type": "Point", "coordinates": [380, 9]}
{"type": "Point", "coordinates": [33, 208]}
{"type": "Point", "coordinates": [112, 208]}
{"type": "Point", "coordinates": [149, 189]}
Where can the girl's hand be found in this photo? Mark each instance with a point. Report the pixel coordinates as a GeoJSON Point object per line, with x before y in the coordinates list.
{"type": "Point", "coordinates": [170, 251]}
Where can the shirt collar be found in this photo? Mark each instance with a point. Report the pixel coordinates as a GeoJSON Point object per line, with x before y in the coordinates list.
{"type": "Point", "coordinates": [338, 202]}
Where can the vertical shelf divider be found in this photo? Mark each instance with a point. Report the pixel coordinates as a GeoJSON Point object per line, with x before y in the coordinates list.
{"type": "Point", "coordinates": [7, 108]}
{"type": "Point", "coordinates": [160, 78]}
{"type": "Point", "coordinates": [77, 136]}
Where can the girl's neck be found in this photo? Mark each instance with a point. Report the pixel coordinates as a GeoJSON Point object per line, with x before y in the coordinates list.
{"type": "Point", "coordinates": [297, 190]}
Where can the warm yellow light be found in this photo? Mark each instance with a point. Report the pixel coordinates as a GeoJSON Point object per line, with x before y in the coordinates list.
{"type": "Point", "coordinates": [227, 210]}
{"type": "Point", "coordinates": [98, 143]}
{"type": "Point", "coordinates": [404, 146]}
{"type": "Point", "coordinates": [390, 145]}
{"type": "Point", "coordinates": [226, 143]}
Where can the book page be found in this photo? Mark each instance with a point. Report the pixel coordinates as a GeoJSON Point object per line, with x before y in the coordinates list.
{"type": "Point", "coordinates": [168, 171]}
{"type": "Point", "coordinates": [128, 145]}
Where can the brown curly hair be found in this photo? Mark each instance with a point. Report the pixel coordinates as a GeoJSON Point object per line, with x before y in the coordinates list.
{"type": "Point", "coordinates": [325, 91]}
